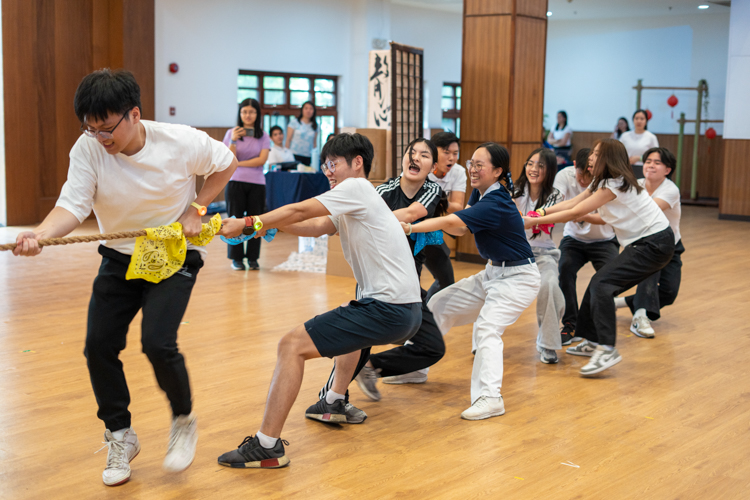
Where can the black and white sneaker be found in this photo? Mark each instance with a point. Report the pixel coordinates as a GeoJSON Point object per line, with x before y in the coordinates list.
{"type": "Point", "coordinates": [600, 361]}
{"type": "Point", "coordinates": [251, 455]}
{"type": "Point", "coordinates": [328, 413]}
{"type": "Point", "coordinates": [583, 349]}
{"type": "Point", "coordinates": [567, 334]}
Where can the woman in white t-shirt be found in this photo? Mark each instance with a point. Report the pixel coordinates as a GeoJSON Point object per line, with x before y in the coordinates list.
{"type": "Point", "coordinates": [661, 288]}
{"type": "Point", "coordinates": [561, 137]}
{"type": "Point", "coordinates": [534, 190]}
{"type": "Point", "coordinates": [642, 229]}
{"type": "Point", "coordinates": [638, 141]}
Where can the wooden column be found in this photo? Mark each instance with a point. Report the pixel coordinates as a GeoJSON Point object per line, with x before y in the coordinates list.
{"type": "Point", "coordinates": [504, 46]}
{"type": "Point", "coordinates": [48, 47]}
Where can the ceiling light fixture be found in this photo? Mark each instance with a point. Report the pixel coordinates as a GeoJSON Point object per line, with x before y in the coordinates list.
{"type": "Point", "coordinates": [549, 12]}
{"type": "Point", "coordinates": [703, 7]}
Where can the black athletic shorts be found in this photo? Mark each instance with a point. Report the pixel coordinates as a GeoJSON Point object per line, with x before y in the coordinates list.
{"type": "Point", "coordinates": [363, 323]}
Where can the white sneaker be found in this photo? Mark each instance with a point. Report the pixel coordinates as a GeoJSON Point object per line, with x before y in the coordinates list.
{"type": "Point", "coordinates": [418, 377]}
{"type": "Point", "coordinates": [183, 438]}
{"type": "Point", "coordinates": [119, 456]}
{"type": "Point", "coordinates": [641, 326]}
{"type": "Point", "coordinates": [583, 349]}
{"type": "Point", "coordinates": [600, 361]}
{"type": "Point", "coordinates": [484, 407]}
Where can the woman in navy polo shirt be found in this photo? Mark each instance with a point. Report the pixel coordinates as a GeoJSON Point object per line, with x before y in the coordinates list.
{"type": "Point", "coordinates": [494, 298]}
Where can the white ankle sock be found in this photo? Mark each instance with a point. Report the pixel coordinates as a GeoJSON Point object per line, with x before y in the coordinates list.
{"type": "Point", "coordinates": [119, 434]}
{"type": "Point", "coordinates": [266, 442]}
{"type": "Point", "coordinates": [332, 397]}
{"type": "Point", "coordinates": [620, 302]}
{"type": "Point", "coordinates": [640, 313]}
{"type": "Point", "coordinates": [608, 347]}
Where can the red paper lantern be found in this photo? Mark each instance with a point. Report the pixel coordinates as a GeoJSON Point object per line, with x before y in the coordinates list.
{"type": "Point", "coordinates": [710, 133]}
{"type": "Point", "coordinates": [173, 68]}
{"type": "Point", "coordinates": [672, 101]}
{"type": "Point", "coordinates": [649, 114]}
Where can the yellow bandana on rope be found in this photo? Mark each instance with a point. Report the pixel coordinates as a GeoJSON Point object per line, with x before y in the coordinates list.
{"type": "Point", "coordinates": [161, 253]}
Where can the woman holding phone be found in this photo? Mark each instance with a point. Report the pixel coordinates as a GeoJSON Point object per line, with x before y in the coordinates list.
{"type": "Point", "coordinates": [246, 191]}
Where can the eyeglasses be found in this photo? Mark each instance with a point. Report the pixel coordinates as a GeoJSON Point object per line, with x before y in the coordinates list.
{"type": "Point", "coordinates": [472, 164]}
{"type": "Point", "coordinates": [101, 133]}
{"type": "Point", "coordinates": [329, 166]}
{"type": "Point", "coordinates": [530, 164]}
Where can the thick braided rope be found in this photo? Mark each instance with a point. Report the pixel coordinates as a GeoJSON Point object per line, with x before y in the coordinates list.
{"type": "Point", "coordinates": [82, 239]}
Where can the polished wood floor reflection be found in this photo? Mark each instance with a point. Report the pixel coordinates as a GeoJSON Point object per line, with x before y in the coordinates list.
{"type": "Point", "coordinates": [670, 421]}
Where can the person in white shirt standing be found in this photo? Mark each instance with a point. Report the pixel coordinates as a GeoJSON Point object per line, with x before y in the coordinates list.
{"type": "Point", "coordinates": [638, 141]}
{"type": "Point", "coordinates": [582, 242]}
{"type": "Point", "coordinates": [278, 153]}
{"type": "Point", "coordinates": [640, 226]}
{"type": "Point", "coordinates": [561, 138]}
{"type": "Point", "coordinates": [535, 190]}
{"type": "Point", "coordinates": [661, 288]}
{"type": "Point", "coordinates": [135, 174]}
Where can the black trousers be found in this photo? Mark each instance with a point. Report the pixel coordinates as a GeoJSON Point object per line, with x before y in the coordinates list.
{"type": "Point", "coordinates": [244, 199]}
{"type": "Point", "coordinates": [438, 262]}
{"type": "Point", "coordinates": [597, 320]}
{"type": "Point", "coordinates": [660, 289]}
{"type": "Point", "coordinates": [114, 303]}
{"type": "Point", "coordinates": [574, 255]}
{"type": "Point", "coordinates": [424, 349]}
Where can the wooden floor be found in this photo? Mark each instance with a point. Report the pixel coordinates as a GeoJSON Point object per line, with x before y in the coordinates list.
{"type": "Point", "coordinates": [670, 421]}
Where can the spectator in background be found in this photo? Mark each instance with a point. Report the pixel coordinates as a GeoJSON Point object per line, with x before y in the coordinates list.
{"type": "Point", "coordinates": [621, 127]}
{"type": "Point", "coordinates": [638, 141]}
{"type": "Point", "coordinates": [246, 191]}
{"type": "Point", "coordinates": [302, 134]}
{"type": "Point", "coordinates": [560, 138]}
{"type": "Point", "coordinates": [278, 154]}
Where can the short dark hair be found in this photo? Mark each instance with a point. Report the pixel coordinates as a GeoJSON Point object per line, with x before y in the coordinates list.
{"type": "Point", "coordinates": [275, 128]}
{"type": "Point", "coordinates": [667, 158]}
{"type": "Point", "coordinates": [582, 159]}
{"type": "Point", "coordinates": [258, 125]}
{"type": "Point", "coordinates": [105, 92]}
{"type": "Point", "coordinates": [349, 146]}
{"type": "Point", "coordinates": [445, 139]}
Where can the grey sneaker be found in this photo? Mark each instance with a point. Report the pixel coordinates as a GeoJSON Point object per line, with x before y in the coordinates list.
{"type": "Point", "coordinates": [119, 455]}
{"type": "Point", "coordinates": [548, 356]}
{"type": "Point", "coordinates": [583, 349]}
{"type": "Point", "coordinates": [418, 377]}
{"type": "Point", "coordinates": [251, 455]}
{"type": "Point", "coordinates": [328, 413]}
{"type": "Point", "coordinates": [641, 326]}
{"type": "Point", "coordinates": [183, 438]}
{"type": "Point", "coordinates": [367, 380]}
{"type": "Point", "coordinates": [600, 361]}
{"type": "Point", "coordinates": [354, 415]}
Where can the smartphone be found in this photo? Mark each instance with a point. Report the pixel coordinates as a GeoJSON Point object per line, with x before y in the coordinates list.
{"type": "Point", "coordinates": [249, 132]}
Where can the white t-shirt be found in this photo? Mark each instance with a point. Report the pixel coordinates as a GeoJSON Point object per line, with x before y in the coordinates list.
{"type": "Point", "coordinates": [151, 188]}
{"type": "Point", "coordinates": [454, 180]}
{"type": "Point", "coordinates": [637, 144]}
{"type": "Point", "coordinates": [279, 155]}
{"type": "Point", "coordinates": [373, 242]}
{"type": "Point", "coordinates": [525, 204]}
{"type": "Point", "coordinates": [566, 183]}
{"type": "Point", "coordinates": [669, 192]}
{"type": "Point", "coordinates": [559, 134]}
{"type": "Point", "coordinates": [632, 215]}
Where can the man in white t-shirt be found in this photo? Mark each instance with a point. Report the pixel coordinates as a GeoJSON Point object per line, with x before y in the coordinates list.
{"type": "Point", "coordinates": [582, 242]}
{"type": "Point", "coordinates": [278, 153]}
{"type": "Point", "coordinates": [388, 305]}
{"type": "Point", "coordinates": [135, 174]}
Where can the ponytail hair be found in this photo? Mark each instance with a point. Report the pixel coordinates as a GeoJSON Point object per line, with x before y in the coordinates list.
{"type": "Point", "coordinates": [500, 158]}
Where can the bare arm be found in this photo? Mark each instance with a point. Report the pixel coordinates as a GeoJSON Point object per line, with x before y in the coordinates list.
{"type": "Point", "coordinates": [591, 203]}
{"type": "Point", "coordinates": [662, 204]}
{"type": "Point", "coordinates": [450, 223]}
{"type": "Point", "coordinates": [281, 217]}
{"type": "Point", "coordinates": [258, 161]}
{"type": "Point", "coordinates": [311, 228]}
{"type": "Point", "coordinates": [592, 219]}
{"type": "Point", "coordinates": [289, 135]}
{"type": "Point", "coordinates": [568, 204]}
{"type": "Point", "coordinates": [57, 224]}
{"type": "Point", "coordinates": [191, 219]}
{"type": "Point", "coordinates": [456, 201]}
{"type": "Point", "coordinates": [413, 212]}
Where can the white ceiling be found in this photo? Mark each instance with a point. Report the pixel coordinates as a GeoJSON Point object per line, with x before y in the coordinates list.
{"type": "Point", "coordinates": [597, 9]}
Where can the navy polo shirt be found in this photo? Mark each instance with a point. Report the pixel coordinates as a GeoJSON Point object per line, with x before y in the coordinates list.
{"type": "Point", "coordinates": [497, 226]}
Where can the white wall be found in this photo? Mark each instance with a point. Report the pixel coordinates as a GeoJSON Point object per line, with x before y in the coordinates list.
{"type": "Point", "coordinates": [592, 66]}
{"type": "Point", "coordinates": [737, 124]}
{"type": "Point", "coordinates": [211, 41]}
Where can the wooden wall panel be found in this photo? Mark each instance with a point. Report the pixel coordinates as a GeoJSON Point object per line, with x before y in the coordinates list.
{"type": "Point", "coordinates": [735, 193]}
{"type": "Point", "coordinates": [532, 8]}
{"type": "Point", "coordinates": [486, 79]}
{"type": "Point", "coordinates": [528, 83]}
{"type": "Point", "coordinates": [488, 7]}
{"type": "Point", "coordinates": [48, 47]}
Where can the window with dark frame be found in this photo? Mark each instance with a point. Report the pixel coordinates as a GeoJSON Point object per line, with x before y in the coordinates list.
{"type": "Point", "coordinates": [451, 105]}
{"type": "Point", "coordinates": [281, 96]}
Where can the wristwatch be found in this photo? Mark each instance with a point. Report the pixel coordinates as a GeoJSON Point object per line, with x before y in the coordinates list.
{"type": "Point", "coordinates": [201, 209]}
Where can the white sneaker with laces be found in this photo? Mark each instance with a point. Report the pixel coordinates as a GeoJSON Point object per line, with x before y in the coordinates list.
{"type": "Point", "coordinates": [484, 407]}
{"type": "Point", "coordinates": [641, 326]}
{"type": "Point", "coordinates": [417, 377]}
{"type": "Point", "coordinates": [120, 454]}
{"type": "Point", "coordinates": [183, 438]}
{"type": "Point", "coordinates": [601, 360]}
{"type": "Point", "coordinates": [583, 349]}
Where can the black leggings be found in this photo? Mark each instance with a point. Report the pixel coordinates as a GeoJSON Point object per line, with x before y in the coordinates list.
{"type": "Point", "coordinates": [245, 199]}
{"type": "Point", "coordinates": [660, 289]}
{"type": "Point", "coordinates": [438, 262]}
{"type": "Point", "coordinates": [597, 318]}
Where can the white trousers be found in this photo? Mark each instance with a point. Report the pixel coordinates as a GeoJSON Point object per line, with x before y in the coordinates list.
{"type": "Point", "coordinates": [550, 303]}
{"type": "Point", "coordinates": [493, 300]}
